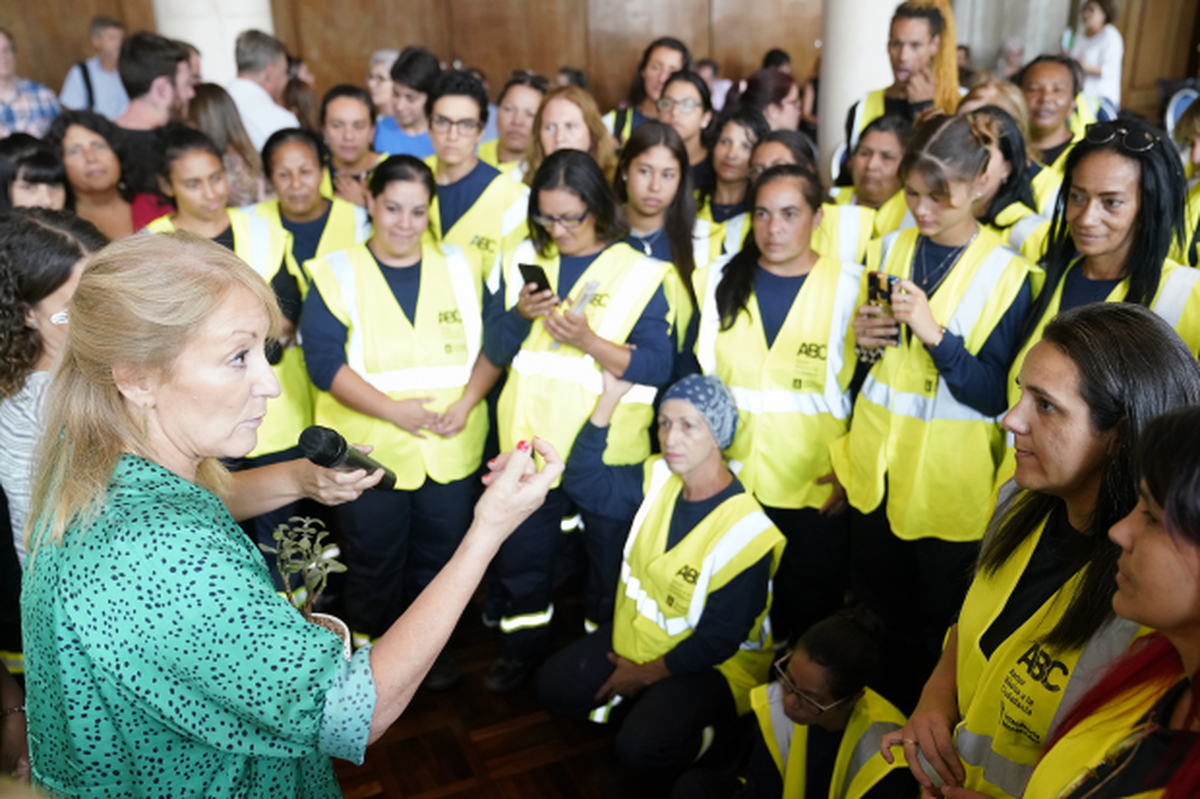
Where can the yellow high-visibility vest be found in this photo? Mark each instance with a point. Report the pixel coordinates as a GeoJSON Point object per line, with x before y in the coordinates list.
{"type": "Point", "coordinates": [266, 247]}
{"type": "Point", "coordinates": [1189, 252]}
{"type": "Point", "coordinates": [859, 766]}
{"type": "Point", "coordinates": [432, 356]}
{"type": "Point", "coordinates": [1011, 701]}
{"type": "Point", "coordinates": [844, 232]}
{"type": "Point", "coordinates": [494, 223]}
{"type": "Point", "coordinates": [871, 106]}
{"type": "Point", "coordinates": [1023, 229]}
{"type": "Point", "coordinates": [552, 389]}
{"type": "Point", "coordinates": [711, 240]}
{"type": "Point", "coordinates": [662, 593]}
{"type": "Point", "coordinates": [793, 398]}
{"type": "Point", "coordinates": [1047, 182]}
{"type": "Point", "coordinates": [938, 455]}
{"type": "Point", "coordinates": [348, 224]}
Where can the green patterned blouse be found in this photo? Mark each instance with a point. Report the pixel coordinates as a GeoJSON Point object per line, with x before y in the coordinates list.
{"type": "Point", "coordinates": [160, 661]}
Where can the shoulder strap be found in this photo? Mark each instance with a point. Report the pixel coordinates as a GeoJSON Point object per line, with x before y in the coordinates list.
{"type": "Point", "coordinates": [87, 85]}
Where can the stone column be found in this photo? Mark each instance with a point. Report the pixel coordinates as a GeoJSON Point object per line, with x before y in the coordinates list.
{"type": "Point", "coordinates": [854, 61]}
{"type": "Point", "coordinates": [212, 26]}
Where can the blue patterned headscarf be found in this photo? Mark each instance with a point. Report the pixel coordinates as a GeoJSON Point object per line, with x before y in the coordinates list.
{"type": "Point", "coordinates": [709, 396]}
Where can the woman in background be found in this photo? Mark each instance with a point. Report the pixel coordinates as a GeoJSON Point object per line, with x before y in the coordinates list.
{"type": "Point", "coordinates": [661, 58]}
{"type": "Point", "coordinates": [569, 118]}
{"type": "Point", "coordinates": [95, 157]}
{"type": "Point", "coordinates": [32, 175]}
{"type": "Point", "coordinates": [213, 112]}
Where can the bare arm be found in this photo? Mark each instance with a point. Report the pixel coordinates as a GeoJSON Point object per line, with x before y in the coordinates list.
{"type": "Point", "coordinates": [405, 653]}
{"type": "Point", "coordinates": [265, 488]}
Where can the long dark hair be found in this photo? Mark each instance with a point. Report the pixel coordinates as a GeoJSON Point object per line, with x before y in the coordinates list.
{"type": "Point", "coordinates": [638, 92]}
{"type": "Point", "coordinates": [1017, 187]}
{"type": "Point", "coordinates": [1132, 368]}
{"type": "Point", "coordinates": [680, 216]}
{"type": "Point", "coordinates": [38, 251]}
{"type": "Point", "coordinates": [764, 87]}
{"type": "Point", "coordinates": [737, 278]}
{"type": "Point", "coordinates": [579, 174]}
{"type": "Point", "coordinates": [750, 119]}
{"type": "Point", "coordinates": [1160, 221]}
{"type": "Point", "coordinates": [405, 168]}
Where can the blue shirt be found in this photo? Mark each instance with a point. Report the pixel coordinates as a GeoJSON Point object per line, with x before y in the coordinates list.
{"type": "Point", "coordinates": [455, 199]}
{"type": "Point", "coordinates": [775, 295]}
{"type": "Point", "coordinates": [108, 93]}
{"type": "Point", "coordinates": [393, 141]}
{"type": "Point", "coordinates": [306, 236]}
{"type": "Point", "coordinates": [31, 110]}
{"type": "Point", "coordinates": [323, 335]}
{"type": "Point", "coordinates": [656, 244]}
{"type": "Point", "coordinates": [616, 492]}
{"type": "Point", "coordinates": [1078, 289]}
{"type": "Point", "coordinates": [649, 364]}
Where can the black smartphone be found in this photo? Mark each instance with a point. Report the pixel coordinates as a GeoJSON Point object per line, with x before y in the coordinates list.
{"type": "Point", "coordinates": [879, 287]}
{"type": "Point", "coordinates": [532, 273]}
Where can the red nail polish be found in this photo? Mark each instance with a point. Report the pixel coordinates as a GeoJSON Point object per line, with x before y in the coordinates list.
{"type": "Point", "coordinates": [523, 446]}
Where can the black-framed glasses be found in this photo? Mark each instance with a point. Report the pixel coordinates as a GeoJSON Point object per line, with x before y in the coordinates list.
{"type": "Point", "coordinates": [569, 222]}
{"type": "Point", "coordinates": [1133, 140]}
{"type": "Point", "coordinates": [790, 689]}
{"type": "Point", "coordinates": [466, 127]}
{"type": "Point", "coordinates": [687, 105]}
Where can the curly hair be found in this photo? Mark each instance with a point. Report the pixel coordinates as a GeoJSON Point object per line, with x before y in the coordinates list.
{"type": "Point", "coordinates": [38, 251]}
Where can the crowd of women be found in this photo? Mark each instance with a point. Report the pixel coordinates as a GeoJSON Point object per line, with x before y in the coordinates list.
{"type": "Point", "coordinates": [875, 490]}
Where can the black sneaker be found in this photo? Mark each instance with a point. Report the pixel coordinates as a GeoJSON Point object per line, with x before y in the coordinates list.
{"type": "Point", "coordinates": [444, 673]}
{"type": "Point", "coordinates": [506, 675]}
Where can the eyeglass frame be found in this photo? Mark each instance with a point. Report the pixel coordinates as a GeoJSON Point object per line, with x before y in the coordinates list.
{"type": "Point", "coordinates": [687, 105]}
{"type": "Point", "coordinates": [568, 222]}
{"type": "Point", "coordinates": [1114, 129]}
{"type": "Point", "coordinates": [792, 690]}
{"type": "Point", "coordinates": [443, 124]}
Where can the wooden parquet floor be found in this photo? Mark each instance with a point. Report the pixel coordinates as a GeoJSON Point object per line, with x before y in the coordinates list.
{"type": "Point", "coordinates": [467, 742]}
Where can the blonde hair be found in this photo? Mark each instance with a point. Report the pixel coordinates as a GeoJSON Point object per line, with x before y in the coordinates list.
{"type": "Point", "coordinates": [139, 303]}
{"type": "Point", "coordinates": [213, 112]}
{"type": "Point", "coordinates": [603, 149]}
{"type": "Point", "coordinates": [945, 61]}
{"type": "Point", "coordinates": [1008, 96]}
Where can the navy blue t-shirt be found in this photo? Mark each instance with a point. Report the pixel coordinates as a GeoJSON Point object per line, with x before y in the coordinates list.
{"type": "Point", "coordinates": [306, 235]}
{"type": "Point", "coordinates": [776, 295]}
{"type": "Point", "coordinates": [656, 244]}
{"type": "Point", "coordinates": [455, 199]}
{"type": "Point", "coordinates": [1078, 289]}
{"type": "Point", "coordinates": [723, 213]}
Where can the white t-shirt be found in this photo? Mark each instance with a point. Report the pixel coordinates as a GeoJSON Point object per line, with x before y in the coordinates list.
{"type": "Point", "coordinates": [1105, 50]}
{"type": "Point", "coordinates": [260, 115]}
{"type": "Point", "coordinates": [20, 430]}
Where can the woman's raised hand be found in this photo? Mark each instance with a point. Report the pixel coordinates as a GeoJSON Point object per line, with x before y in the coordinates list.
{"type": "Point", "coordinates": [515, 487]}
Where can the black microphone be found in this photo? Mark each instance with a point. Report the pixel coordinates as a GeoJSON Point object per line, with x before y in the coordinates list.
{"type": "Point", "coordinates": [326, 447]}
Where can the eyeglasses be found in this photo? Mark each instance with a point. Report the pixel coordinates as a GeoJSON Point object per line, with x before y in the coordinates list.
{"type": "Point", "coordinates": [1135, 141]}
{"type": "Point", "coordinates": [810, 704]}
{"type": "Point", "coordinates": [1110, 765]}
{"type": "Point", "coordinates": [569, 222]}
{"type": "Point", "coordinates": [686, 105]}
{"type": "Point", "coordinates": [465, 127]}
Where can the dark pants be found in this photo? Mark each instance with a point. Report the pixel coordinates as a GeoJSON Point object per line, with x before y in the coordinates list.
{"type": "Point", "coordinates": [917, 588]}
{"type": "Point", "coordinates": [810, 583]}
{"type": "Point", "coordinates": [524, 569]}
{"type": "Point", "coordinates": [661, 730]}
{"type": "Point", "coordinates": [604, 543]}
{"type": "Point", "coordinates": [397, 541]}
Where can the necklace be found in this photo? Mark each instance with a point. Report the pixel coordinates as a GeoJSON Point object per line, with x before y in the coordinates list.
{"type": "Point", "coordinates": [647, 242]}
{"type": "Point", "coordinates": [942, 268]}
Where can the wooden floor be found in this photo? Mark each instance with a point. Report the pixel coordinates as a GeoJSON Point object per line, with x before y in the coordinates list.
{"type": "Point", "coordinates": [467, 742]}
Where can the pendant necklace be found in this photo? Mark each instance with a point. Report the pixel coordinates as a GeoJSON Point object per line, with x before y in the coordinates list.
{"type": "Point", "coordinates": [648, 242]}
{"type": "Point", "coordinates": [951, 259]}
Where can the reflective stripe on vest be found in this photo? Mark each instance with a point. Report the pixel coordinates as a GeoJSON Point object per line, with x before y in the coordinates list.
{"type": "Point", "coordinates": [735, 232]}
{"type": "Point", "coordinates": [1174, 294]}
{"type": "Point", "coordinates": [848, 234]}
{"type": "Point", "coordinates": [515, 214]}
{"type": "Point", "coordinates": [462, 283]}
{"type": "Point", "coordinates": [583, 370]}
{"type": "Point", "coordinates": [362, 224]}
{"type": "Point", "coordinates": [1022, 229]}
{"type": "Point", "coordinates": [1104, 647]}
{"type": "Point", "coordinates": [732, 542]}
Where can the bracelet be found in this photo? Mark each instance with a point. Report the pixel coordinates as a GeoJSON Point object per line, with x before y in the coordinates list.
{"type": "Point", "coordinates": [9, 711]}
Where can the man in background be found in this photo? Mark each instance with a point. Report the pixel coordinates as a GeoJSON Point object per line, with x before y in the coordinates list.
{"type": "Point", "coordinates": [95, 84]}
{"type": "Point", "coordinates": [25, 106]}
{"type": "Point", "coordinates": [262, 66]}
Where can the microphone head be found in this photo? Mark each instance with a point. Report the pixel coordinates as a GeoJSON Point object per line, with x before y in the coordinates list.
{"type": "Point", "coordinates": [323, 446]}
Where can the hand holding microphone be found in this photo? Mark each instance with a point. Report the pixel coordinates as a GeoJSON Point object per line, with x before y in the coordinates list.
{"type": "Point", "coordinates": [326, 447]}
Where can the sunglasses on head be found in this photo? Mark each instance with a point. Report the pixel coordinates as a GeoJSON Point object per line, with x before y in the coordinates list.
{"type": "Point", "coordinates": [1133, 140]}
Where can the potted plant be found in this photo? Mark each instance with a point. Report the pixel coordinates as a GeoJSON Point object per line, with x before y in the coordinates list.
{"type": "Point", "coordinates": [300, 548]}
